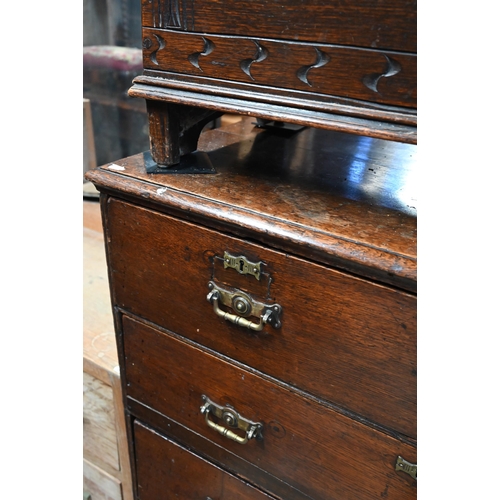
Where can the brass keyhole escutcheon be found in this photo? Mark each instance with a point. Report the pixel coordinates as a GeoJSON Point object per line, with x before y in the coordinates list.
{"type": "Point", "coordinates": [242, 265]}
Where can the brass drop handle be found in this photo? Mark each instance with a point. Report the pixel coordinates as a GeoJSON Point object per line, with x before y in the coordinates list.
{"type": "Point", "coordinates": [232, 419]}
{"type": "Point", "coordinates": [403, 465]}
{"type": "Point", "coordinates": [233, 318]}
{"type": "Point", "coordinates": [244, 306]}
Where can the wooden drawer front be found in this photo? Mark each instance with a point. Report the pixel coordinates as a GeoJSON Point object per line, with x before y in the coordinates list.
{"type": "Point", "coordinates": [312, 448]}
{"type": "Point", "coordinates": [166, 470]}
{"type": "Point", "coordinates": [387, 24]}
{"type": "Point", "coordinates": [347, 72]}
{"type": "Point", "coordinates": [343, 339]}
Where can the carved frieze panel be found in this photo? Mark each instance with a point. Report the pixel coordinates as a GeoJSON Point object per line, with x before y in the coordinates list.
{"type": "Point", "coordinates": [376, 76]}
{"type": "Point", "coordinates": [173, 14]}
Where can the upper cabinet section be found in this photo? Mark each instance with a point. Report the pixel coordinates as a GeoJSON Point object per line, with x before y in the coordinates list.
{"type": "Point", "coordinates": [376, 24]}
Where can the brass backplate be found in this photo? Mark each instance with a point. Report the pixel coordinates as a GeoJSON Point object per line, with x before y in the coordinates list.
{"type": "Point", "coordinates": [231, 417]}
{"type": "Point", "coordinates": [244, 305]}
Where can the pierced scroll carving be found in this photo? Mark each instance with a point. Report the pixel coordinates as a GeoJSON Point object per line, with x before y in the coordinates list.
{"type": "Point", "coordinates": [194, 58]}
{"type": "Point", "coordinates": [321, 60]}
{"type": "Point", "coordinates": [343, 72]}
{"type": "Point", "coordinates": [392, 68]}
{"type": "Point", "coordinates": [147, 44]}
{"type": "Point", "coordinates": [260, 54]}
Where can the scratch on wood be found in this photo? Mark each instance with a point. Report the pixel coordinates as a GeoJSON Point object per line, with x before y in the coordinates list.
{"type": "Point", "coordinates": [114, 166]}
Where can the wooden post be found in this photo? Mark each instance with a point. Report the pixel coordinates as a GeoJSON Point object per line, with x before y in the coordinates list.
{"type": "Point", "coordinates": [174, 130]}
{"type": "Point", "coordinates": [163, 132]}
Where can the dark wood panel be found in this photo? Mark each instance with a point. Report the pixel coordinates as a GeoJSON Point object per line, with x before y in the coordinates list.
{"type": "Point", "coordinates": [165, 470]}
{"type": "Point", "coordinates": [388, 24]}
{"type": "Point", "coordinates": [342, 338]}
{"type": "Point", "coordinates": [385, 78]}
{"type": "Point", "coordinates": [317, 450]}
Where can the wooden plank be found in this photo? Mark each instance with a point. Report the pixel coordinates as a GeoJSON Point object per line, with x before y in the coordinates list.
{"type": "Point", "coordinates": [217, 100]}
{"type": "Point", "coordinates": [121, 436]}
{"type": "Point", "coordinates": [92, 216]}
{"type": "Point", "coordinates": [97, 371]}
{"type": "Point", "coordinates": [99, 431]}
{"type": "Point", "coordinates": [89, 156]}
{"type": "Point", "coordinates": [99, 344]}
{"type": "Point", "coordinates": [100, 484]}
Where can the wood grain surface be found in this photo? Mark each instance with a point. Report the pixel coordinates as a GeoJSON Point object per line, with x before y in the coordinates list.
{"type": "Point", "coordinates": [350, 72]}
{"type": "Point", "coordinates": [318, 451]}
{"type": "Point", "coordinates": [389, 24]}
{"type": "Point", "coordinates": [332, 219]}
{"type": "Point", "coordinates": [337, 199]}
{"type": "Point", "coordinates": [385, 125]}
{"type": "Point", "coordinates": [363, 51]}
{"type": "Point", "coordinates": [99, 430]}
{"type": "Point", "coordinates": [342, 338]}
{"type": "Point", "coordinates": [99, 344]}
{"type": "Point", "coordinates": [100, 484]}
{"type": "Point", "coordinates": [165, 470]}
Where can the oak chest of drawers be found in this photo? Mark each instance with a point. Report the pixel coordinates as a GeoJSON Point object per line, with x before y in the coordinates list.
{"type": "Point", "coordinates": [265, 316]}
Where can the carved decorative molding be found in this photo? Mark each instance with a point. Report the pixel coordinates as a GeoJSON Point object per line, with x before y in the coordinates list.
{"type": "Point", "coordinates": [321, 60]}
{"type": "Point", "coordinates": [349, 72]}
{"type": "Point", "coordinates": [173, 14]}
{"type": "Point", "coordinates": [147, 44]}
{"type": "Point", "coordinates": [260, 55]}
{"type": "Point", "coordinates": [392, 68]}
{"type": "Point", "coordinates": [194, 58]}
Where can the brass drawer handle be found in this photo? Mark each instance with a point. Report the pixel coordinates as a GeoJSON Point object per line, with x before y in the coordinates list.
{"type": "Point", "coordinates": [244, 305]}
{"type": "Point", "coordinates": [405, 466]}
{"type": "Point", "coordinates": [232, 419]}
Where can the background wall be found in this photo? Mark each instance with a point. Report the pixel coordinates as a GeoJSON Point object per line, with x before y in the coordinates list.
{"type": "Point", "coordinates": [112, 57]}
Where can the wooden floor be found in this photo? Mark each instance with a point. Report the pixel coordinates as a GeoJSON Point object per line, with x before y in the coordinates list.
{"type": "Point", "coordinates": [99, 340]}
{"type": "Point", "coordinates": [106, 469]}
